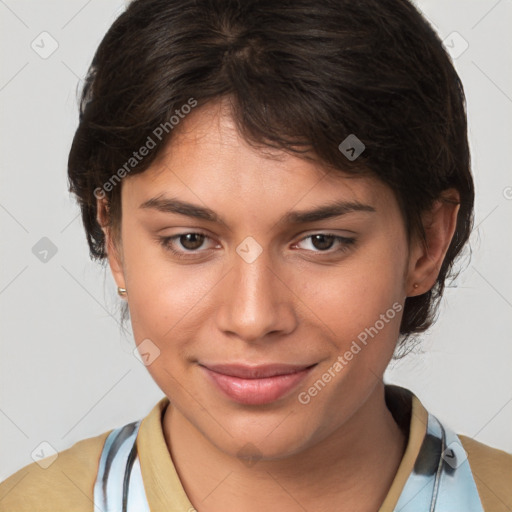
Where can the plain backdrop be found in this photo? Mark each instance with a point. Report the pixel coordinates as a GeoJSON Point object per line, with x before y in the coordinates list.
{"type": "Point", "coordinates": [67, 369]}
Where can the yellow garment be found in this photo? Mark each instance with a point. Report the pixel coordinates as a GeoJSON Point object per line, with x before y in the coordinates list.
{"type": "Point", "coordinates": [68, 484]}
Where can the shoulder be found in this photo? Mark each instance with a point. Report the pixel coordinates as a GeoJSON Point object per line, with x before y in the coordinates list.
{"type": "Point", "coordinates": [67, 484]}
{"type": "Point", "coordinates": [492, 471]}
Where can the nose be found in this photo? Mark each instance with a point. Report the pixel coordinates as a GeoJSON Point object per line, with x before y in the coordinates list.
{"type": "Point", "coordinates": [257, 302]}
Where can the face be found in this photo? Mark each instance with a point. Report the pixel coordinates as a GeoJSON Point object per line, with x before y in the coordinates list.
{"type": "Point", "coordinates": [266, 327]}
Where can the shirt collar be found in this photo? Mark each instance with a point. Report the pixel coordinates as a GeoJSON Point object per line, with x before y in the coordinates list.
{"type": "Point", "coordinates": [163, 487]}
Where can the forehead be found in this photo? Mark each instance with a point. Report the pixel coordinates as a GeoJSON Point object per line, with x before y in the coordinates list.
{"type": "Point", "coordinates": [207, 161]}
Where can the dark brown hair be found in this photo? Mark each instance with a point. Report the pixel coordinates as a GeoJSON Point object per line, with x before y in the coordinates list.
{"type": "Point", "coordinates": [302, 75]}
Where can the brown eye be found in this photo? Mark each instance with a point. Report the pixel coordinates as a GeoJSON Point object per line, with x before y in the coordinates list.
{"type": "Point", "coordinates": [191, 241]}
{"type": "Point", "coordinates": [327, 243]}
{"type": "Point", "coordinates": [186, 245]}
{"type": "Point", "coordinates": [322, 242]}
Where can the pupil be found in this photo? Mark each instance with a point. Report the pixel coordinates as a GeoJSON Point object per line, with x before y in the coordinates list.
{"type": "Point", "coordinates": [322, 238]}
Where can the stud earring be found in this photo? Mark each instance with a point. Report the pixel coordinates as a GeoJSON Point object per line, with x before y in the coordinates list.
{"type": "Point", "coordinates": [415, 285]}
{"type": "Point", "coordinates": [122, 292]}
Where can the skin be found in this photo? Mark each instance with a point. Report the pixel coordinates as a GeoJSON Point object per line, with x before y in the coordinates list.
{"type": "Point", "coordinates": [297, 303]}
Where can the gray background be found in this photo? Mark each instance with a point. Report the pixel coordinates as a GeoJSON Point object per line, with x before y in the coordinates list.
{"type": "Point", "coordinates": [68, 372]}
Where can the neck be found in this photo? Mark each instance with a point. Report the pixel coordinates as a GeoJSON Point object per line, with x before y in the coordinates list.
{"type": "Point", "coordinates": [352, 469]}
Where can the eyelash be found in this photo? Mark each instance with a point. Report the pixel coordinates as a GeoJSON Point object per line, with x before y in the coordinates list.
{"type": "Point", "coordinates": [345, 242]}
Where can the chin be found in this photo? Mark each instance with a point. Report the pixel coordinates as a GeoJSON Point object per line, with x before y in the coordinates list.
{"type": "Point", "coordinates": [251, 450]}
{"type": "Point", "coordinates": [259, 439]}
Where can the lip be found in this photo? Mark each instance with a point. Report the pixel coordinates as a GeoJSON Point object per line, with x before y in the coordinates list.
{"type": "Point", "coordinates": [256, 385]}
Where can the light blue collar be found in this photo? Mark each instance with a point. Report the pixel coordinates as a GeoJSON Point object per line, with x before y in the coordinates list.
{"type": "Point", "coordinates": [441, 480]}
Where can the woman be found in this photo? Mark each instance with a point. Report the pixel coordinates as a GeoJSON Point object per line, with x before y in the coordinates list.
{"type": "Point", "coordinates": [281, 190]}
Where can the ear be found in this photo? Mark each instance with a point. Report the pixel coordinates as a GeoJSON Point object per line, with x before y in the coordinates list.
{"type": "Point", "coordinates": [112, 247]}
{"type": "Point", "coordinates": [426, 256]}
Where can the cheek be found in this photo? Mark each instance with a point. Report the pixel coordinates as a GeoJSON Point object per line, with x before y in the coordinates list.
{"type": "Point", "coordinates": [164, 306]}
{"type": "Point", "coordinates": [161, 293]}
{"type": "Point", "coordinates": [165, 300]}
{"type": "Point", "coordinates": [351, 297]}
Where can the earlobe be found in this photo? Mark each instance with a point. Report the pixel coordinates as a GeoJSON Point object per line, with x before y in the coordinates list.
{"type": "Point", "coordinates": [427, 255]}
{"type": "Point", "coordinates": [113, 252]}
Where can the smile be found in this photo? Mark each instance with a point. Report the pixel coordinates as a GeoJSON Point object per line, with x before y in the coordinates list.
{"type": "Point", "coordinates": [256, 385]}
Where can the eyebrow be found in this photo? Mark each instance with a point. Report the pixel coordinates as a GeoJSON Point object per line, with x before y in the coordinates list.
{"type": "Point", "coordinates": [335, 209]}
